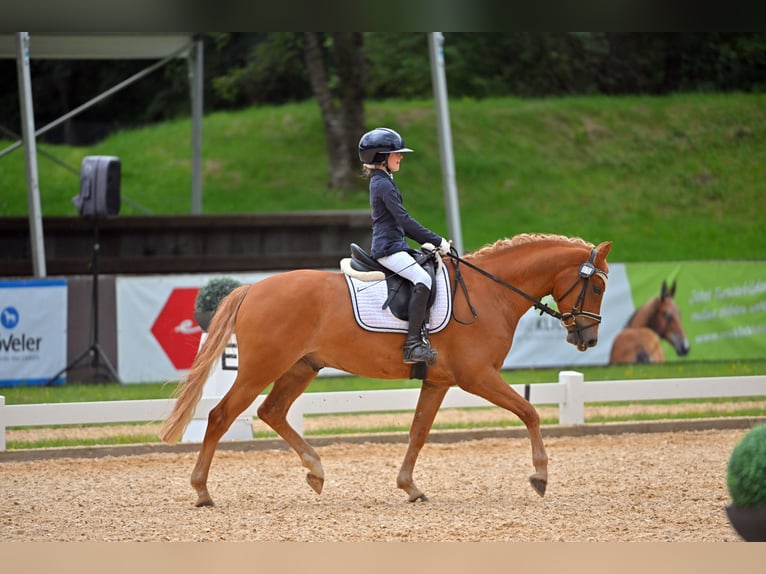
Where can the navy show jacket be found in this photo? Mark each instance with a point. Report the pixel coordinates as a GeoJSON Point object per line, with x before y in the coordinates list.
{"type": "Point", "coordinates": [391, 224]}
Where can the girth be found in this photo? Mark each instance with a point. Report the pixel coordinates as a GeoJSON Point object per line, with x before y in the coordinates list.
{"type": "Point", "coordinates": [399, 289]}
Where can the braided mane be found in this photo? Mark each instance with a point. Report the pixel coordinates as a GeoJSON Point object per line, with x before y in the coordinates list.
{"type": "Point", "coordinates": [523, 238]}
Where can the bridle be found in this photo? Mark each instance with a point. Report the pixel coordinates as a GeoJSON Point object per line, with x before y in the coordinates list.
{"type": "Point", "coordinates": [569, 319]}
{"type": "Point", "coordinates": [587, 270]}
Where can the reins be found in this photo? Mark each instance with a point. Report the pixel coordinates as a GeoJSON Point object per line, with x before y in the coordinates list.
{"type": "Point", "coordinates": [587, 270]}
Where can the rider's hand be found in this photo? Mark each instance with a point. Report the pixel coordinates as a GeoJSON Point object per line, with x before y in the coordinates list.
{"type": "Point", "coordinates": [444, 247]}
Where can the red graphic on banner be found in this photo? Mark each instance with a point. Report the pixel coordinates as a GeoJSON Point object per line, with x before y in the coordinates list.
{"type": "Point", "coordinates": [175, 328]}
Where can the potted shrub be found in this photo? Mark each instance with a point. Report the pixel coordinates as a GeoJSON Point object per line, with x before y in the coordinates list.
{"type": "Point", "coordinates": [209, 296]}
{"type": "Point", "coordinates": [746, 481]}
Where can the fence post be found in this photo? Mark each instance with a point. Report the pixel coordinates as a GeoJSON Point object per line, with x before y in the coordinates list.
{"type": "Point", "coordinates": [2, 423]}
{"type": "Point", "coordinates": [572, 409]}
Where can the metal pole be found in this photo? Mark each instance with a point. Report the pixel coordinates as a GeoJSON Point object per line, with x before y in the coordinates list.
{"type": "Point", "coordinates": [30, 154]}
{"type": "Point", "coordinates": [438, 78]}
{"type": "Point", "coordinates": [196, 71]}
{"type": "Point", "coordinates": [97, 99]}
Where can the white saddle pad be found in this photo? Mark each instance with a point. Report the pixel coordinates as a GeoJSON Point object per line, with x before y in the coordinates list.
{"type": "Point", "coordinates": [367, 298]}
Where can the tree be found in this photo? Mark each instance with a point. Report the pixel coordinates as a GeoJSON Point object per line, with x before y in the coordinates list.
{"type": "Point", "coordinates": [340, 93]}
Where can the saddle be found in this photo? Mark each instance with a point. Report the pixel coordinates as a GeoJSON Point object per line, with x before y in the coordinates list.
{"type": "Point", "coordinates": [399, 289]}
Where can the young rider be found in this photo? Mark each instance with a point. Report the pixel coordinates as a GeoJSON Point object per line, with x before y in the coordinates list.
{"type": "Point", "coordinates": [381, 151]}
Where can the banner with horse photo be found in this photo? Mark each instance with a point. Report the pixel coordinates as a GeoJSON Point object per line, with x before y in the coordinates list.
{"type": "Point", "coordinates": [656, 312]}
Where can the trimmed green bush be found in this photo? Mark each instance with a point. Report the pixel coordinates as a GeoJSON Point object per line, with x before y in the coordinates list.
{"type": "Point", "coordinates": [746, 472]}
{"type": "Point", "coordinates": [213, 291]}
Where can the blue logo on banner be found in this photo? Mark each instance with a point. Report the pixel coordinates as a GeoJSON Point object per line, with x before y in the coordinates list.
{"type": "Point", "coordinates": [9, 317]}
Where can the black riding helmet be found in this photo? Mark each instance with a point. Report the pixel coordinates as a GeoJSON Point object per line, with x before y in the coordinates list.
{"type": "Point", "coordinates": [375, 145]}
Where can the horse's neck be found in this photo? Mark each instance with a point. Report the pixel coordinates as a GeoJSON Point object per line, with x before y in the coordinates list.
{"type": "Point", "coordinates": [531, 267]}
{"type": "Point", "coordinates": [644, 315]}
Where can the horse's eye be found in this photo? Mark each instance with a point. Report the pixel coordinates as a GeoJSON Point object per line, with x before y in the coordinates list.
{"type": "Point", "coordinates": [598, 290]}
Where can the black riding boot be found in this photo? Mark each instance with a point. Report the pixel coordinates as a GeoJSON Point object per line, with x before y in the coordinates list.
{"type": "Point", "coordinates": [417, 348]}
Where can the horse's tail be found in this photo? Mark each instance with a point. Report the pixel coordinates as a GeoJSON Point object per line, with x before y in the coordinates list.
{"type": "Point", "coordinates": [189, 390]}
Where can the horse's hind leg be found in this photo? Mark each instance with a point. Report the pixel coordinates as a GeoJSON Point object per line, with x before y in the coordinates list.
{"type": "Point", "coordinates": [273, 411]}
{"type": "Point", "coordinates": [429, 401]}
{"type": "Point", "coordinates": [234, 402]}
{"type": "Point", "coordinates": [493, 388]}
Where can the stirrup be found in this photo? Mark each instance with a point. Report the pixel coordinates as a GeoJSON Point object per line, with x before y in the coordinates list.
{"type": "Point", "coordinates": [418, 352]}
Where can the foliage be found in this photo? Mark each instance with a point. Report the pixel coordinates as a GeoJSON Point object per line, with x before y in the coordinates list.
{"type": "Point", "coordinates": [213, 291]}
{"type": "Point", "coordinates": [271, 70]}
{"type": "Point", "coordinates": [254, 68]}
{"type": "Point", "coordinates": [746, 471]}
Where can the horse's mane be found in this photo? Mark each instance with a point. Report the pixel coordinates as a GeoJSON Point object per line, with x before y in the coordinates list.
{"type": "Point", "coordinates": [523, 238]}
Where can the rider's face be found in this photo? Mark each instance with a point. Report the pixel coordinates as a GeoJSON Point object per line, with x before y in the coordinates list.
{"type": "Point", "coordinates": [394, 159]}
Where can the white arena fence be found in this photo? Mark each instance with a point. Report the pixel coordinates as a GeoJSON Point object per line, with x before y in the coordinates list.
{"type": "Point", "coordinates": [571, 392]}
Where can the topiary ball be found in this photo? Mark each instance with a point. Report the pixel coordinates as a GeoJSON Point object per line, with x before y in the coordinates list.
{"type": "Point", "coordinates": [213, 291]}
{"type": "Point", "coordinates": [746, 472]}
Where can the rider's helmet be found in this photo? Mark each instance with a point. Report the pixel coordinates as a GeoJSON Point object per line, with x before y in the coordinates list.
{"type": "Point", "coordinates": [375, 145]}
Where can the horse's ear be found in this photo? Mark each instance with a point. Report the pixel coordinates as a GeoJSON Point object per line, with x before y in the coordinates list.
{"type": "Point", "coordinates": [673, 289]}
{"type": "Point", "coordinates": [603, 249]}
{"type": "Point", "coordinates": [664, 290]}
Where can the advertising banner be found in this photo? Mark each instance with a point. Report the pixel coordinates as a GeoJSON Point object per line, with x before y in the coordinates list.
{"type": "Point", "coordinates": [721, 304]}
{"type": "Point", "coordinates": [157, 336]}
{"type": "Point", "coordinates": [33, 331]}
{"type": "Point", "coordinates": [722, 311]}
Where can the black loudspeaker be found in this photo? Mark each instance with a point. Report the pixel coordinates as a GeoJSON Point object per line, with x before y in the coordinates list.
{"type": "Point", "coordinates": [99, 187]}
{"type": "Point", "coordinates": [99, 197]}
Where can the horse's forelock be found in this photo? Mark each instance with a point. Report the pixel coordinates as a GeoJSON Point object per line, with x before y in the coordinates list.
{"type": "Point", "coordinates": [524, 238]}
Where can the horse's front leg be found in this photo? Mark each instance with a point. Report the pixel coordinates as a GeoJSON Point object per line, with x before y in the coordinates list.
{"type": "Point", "coordinates": [493, 388]}
{"type": "Point", "coordinates": [429, 401]}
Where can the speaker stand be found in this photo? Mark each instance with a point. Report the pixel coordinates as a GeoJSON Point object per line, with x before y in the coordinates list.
{"type": "Point", "coordinates": [94, 351]}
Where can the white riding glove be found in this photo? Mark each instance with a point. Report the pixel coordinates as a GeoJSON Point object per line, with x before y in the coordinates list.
{"type": "Point", "coordinates": [445, 247]}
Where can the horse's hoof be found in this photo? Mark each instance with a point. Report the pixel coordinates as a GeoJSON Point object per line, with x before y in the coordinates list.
{"type": "Point", "coordinates": [201, 502]}
{"type": "Point", "coordinates": [538, 484]}
{"type": "Point", "coordinates": [315, 482]}
{"type": "Point", "coordinates": [418, 498]}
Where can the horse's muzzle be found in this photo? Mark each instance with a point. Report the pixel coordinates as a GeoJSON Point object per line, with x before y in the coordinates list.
{"type": "Point", "coordinates": [680, 344]}
{"type": "Point", "coordinates": [583, 337]}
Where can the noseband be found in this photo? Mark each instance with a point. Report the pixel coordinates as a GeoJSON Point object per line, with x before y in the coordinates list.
{"type": "Point", "coordinates": [587, 270]}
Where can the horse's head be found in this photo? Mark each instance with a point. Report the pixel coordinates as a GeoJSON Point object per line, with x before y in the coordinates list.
{"type": "Point", "coordinates": [666, 320]}
{"type": "Point", "coordinates": [578, 292]}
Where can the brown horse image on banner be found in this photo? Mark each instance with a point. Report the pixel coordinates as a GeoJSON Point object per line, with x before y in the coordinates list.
{"type": "Point", "coordinates": [659, 318]}
{"type": "Point", "coordinates": [291, 325]}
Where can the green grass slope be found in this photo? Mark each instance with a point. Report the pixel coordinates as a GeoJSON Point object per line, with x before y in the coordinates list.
{"type": "Point", "coordinates": [666, 178]}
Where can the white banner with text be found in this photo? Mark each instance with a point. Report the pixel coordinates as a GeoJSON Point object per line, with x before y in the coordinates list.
{"type": "Point", "coordinates": [33, 331]}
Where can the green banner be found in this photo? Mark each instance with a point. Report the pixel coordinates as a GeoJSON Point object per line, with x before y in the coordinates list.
{"type": "Point", "coordinates": [722, 305]}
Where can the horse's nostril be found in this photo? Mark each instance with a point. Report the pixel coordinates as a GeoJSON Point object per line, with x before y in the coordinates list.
{"type": "Point", "coordinates": [592, 342]}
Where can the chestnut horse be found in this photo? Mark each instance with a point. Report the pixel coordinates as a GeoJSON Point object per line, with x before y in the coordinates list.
{"type": "Point", "coordinates": [291, 325]}
{"type": "Point", "coordinates": [659, 318]}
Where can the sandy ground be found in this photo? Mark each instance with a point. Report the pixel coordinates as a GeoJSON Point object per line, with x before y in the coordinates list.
{"type": "Point", "coordinates": [626, 487]}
